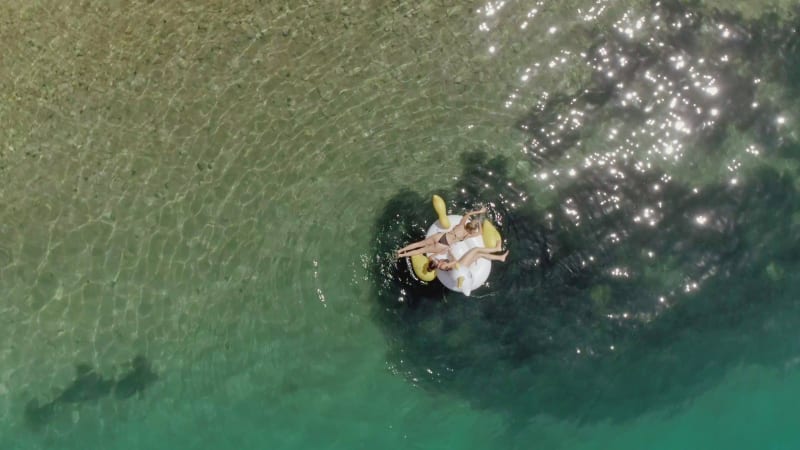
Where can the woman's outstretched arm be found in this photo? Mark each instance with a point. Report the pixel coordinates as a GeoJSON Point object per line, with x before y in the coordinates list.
{"type": "Point", "coordinates": [468, 214]}
{"type": "Point", "coordinates": [474, 212]}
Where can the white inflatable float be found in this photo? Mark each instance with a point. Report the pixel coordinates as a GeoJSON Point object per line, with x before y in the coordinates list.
{"type": "Point", "coordinates": [464, 279]}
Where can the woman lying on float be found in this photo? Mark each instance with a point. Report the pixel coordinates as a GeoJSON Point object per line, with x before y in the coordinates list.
{"type": "Point", "coordinates": [473, 267]}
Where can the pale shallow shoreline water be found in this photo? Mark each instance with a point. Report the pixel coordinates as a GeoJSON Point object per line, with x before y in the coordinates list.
{"type": "Point", "coordinates": [201, 184]}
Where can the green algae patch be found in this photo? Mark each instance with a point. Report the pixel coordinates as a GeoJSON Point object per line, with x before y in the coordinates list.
{"type": "Point", "coordinates": [774, 271]}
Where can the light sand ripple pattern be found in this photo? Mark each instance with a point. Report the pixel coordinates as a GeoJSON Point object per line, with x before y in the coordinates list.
{"type": "Point", "coordinates": [175, 174]}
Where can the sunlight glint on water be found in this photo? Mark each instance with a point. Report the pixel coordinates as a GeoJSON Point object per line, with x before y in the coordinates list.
{"type": "Point", "coordinates": [210, 191]}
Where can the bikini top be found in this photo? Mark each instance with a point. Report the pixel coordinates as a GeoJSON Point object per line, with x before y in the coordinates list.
{"type": "Point", "coordinates": [456, 236]}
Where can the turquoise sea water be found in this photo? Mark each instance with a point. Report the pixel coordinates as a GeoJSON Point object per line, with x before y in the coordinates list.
{"type": "Point", "coordinates": [199, 202]}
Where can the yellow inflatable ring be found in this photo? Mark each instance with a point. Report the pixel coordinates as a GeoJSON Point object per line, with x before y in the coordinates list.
{"type": "Point", "coordinates": [420, 265]}
{"type": "Point", "coordinates": [441, 211]}
{"type": "Point", "coordinates": [491, 237]}
{"type": "Point", "coordinates": [459, 279]}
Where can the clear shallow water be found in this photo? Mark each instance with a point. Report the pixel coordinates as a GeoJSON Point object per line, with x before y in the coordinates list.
{"type": "Point", "coordinates": [215, 188]}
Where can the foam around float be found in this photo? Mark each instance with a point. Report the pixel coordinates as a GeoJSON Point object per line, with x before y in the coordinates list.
{"type": "Point", "coordinates": [464, 279]}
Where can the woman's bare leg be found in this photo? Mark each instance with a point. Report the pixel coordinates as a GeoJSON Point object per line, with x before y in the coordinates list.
{"type": "Point", "coordinates": [429, 241]}
{"type": "Point", "coordinates": [414, 245]}
{"type": "Point", "coordinates": [435, 248]}
{"type": "Point", "coordinates": [493, 257]}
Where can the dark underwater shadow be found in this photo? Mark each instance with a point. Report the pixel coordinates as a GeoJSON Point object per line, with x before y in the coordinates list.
{"type": "Point", "coordinates": [559, 331]}
{"type": "Point", "coordinates": [90, 387]}
{"type": "Point", "coordinates": [634, 293]}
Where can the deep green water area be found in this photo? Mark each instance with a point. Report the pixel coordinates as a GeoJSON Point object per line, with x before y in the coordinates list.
{"type": "Point", "coordinates": [200, 204]}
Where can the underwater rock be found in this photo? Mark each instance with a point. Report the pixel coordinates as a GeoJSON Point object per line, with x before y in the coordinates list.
{"type": "Point", "coordinates": [774, 272]}
{"type": "Point", "coordinates": [582, 326]}
{"type": "Point", "coordinates": [89, 386]}
{"type": "Point", "coordinates": [136, 380]}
